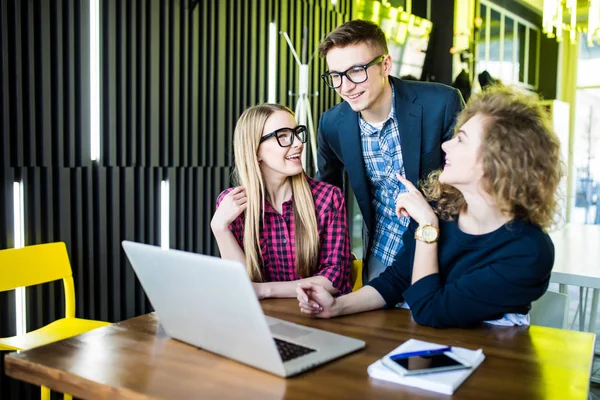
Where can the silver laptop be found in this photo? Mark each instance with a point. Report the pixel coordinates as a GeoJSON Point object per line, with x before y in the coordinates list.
{"type": "Point", "coordinates": [209, 302]}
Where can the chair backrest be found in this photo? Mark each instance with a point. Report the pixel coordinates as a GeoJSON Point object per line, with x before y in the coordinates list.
{"type": "Point", "coordinates": [550, 310]}
{"type": "Point", "coordinates": [356, 275]}
{"type": "Point", "coordinates": [33, 265]}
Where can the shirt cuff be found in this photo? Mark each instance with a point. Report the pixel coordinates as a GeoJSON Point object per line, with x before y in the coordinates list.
{"type": "Point", "coordinates": [337, 279]}
{"type": "Point", "coordinates": [424, 287]}
{"type": "Point", "coordinates": [387, 290]}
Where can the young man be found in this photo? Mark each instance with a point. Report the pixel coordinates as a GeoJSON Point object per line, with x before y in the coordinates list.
{"type": "Point", "coordinates": [385, 126]}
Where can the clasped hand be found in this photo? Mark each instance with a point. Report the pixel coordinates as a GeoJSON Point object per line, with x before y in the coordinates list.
{"type": "Point", "coordinates": [315, 300]}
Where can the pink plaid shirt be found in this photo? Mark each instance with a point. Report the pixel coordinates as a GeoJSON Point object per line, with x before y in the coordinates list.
{"type": "Point", "coordinates": [277, 237]}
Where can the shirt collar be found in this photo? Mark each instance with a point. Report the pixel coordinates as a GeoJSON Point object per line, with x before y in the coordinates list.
{"type": "Point", "coordinates": [368, 129]}
{"type": "Point", "coordinates": [269, 209]}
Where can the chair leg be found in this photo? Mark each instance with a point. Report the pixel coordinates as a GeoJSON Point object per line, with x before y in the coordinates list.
{"type": "Point", "coordinates": [67, 397]}
{"type": "Point", "coordinates": [592, 326]}
{"type": "Point", "coordinates": [45, 393]}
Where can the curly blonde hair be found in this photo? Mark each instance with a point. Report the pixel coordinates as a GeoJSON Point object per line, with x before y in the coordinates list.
{"type": "Point", "coordinates": [520, 154]}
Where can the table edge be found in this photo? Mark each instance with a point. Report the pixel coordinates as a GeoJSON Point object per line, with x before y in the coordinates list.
{"type": "Point", "coordinates": [64, 382]}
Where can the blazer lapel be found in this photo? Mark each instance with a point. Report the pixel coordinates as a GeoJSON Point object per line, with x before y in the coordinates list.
{"type": "Point", "coordinates": [409, 117]}
{"type": "Point", "coordinates": [349, 137]}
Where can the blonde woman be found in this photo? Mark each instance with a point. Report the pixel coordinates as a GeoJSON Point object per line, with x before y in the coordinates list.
{"type": "Point", "coordinates": [482, 255]}
{"type": "Point", "coordinates": [285, 227]}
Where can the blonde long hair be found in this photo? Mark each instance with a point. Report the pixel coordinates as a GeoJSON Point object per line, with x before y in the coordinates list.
{"type": "Point", "coordinates": [521, 160]}
{"type": "Point", "coordinates": [246, 140]}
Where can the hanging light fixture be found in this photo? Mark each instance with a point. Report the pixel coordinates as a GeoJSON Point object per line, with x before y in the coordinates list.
{"type": "Point", "coordinates": [553, 22]}
{"type": "Point", "coordinates": [560, 19]}
{"type": "Point", "coordinates": [593, 27]}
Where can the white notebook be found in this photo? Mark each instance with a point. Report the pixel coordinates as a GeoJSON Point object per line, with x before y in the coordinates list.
{"type": "Point", "coordinates": [441, 382]}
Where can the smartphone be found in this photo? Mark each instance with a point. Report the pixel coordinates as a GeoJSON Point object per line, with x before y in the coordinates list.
{"type": "Point", "coordinates": [426, 362]}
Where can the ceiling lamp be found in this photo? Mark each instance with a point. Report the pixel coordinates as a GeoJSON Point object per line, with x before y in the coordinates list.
{"type": "Point", "coordinates": [554, 24]}
{"type": "Point", "coordinates": [593, 28]}
{"type": "Point", "coordinates": [560, 18]}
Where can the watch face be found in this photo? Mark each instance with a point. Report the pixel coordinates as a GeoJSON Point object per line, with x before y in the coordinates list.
{"type": "Point", "coordinates": [429, 233]}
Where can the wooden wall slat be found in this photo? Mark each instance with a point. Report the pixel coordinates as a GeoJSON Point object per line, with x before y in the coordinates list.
{"type": "Point", "coordinates": [57, 99]}
{"type": "Point", "coordinates": [153, 92]}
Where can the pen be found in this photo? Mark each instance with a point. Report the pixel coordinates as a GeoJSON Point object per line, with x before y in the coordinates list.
{"type": "Point", "coordinates": [421, 353]}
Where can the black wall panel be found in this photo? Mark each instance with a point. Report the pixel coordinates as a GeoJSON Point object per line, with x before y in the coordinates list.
{"type": "Point", "coordinates": [175, 76]}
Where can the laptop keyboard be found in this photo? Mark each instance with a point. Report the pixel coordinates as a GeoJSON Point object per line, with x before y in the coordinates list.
{"type": "Point", "coordinates": [289, 351]}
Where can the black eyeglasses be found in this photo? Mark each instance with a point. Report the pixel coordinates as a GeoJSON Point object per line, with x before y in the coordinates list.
{"type": "Point", "coordinates": [285, 136]}
{"type": "Point", "coordinates": [356, 74]}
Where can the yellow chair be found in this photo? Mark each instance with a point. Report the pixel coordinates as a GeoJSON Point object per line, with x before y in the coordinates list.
{"type": "Point", "coordinates": [356, 274]}
{"type": "Point", "coordinates": [34, 265]}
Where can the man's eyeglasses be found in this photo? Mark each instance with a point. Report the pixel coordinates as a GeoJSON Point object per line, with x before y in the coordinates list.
{"type": "Point", "coordinates": [356, 74]}
{"type": "Point", "coordinates": [285, 136]}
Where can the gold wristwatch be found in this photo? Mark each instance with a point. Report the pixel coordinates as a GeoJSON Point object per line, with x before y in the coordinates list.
{"type": "Point", "coordinates": [427, 233]}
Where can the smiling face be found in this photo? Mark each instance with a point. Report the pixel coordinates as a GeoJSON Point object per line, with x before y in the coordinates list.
{"type": "Point", "coordinates": [463, 167]}
{"type": "Point", "coordinates": [367, 95]}
{"type": "Point", "coordinates": [276, 161]}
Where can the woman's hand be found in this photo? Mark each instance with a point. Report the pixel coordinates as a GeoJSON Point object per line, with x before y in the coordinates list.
{"type": "Point", "coordinates": [315, 300]}
{"type": "Point", "coordinates": [232, 205]}
{"type": "Point", "coordinates": [412, 204]}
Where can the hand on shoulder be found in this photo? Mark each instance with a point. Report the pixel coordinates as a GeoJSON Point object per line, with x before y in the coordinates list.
{"type": "Point", "coordinates": [231, 206]}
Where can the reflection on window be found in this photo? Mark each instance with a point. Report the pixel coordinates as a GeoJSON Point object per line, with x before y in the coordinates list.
{"type": "Point", "coordinates": [493, 62]}
{"type": "Point", "coordinates": [524, 52]}
{"type": "Point", "coordinates": [481, 39]}
{"type": "Point", "coordinates": [534, 53]}
{"type": "Point", "coordinates": [510, 42]}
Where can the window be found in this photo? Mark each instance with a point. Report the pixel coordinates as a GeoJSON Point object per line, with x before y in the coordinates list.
{"type": "Point", "coordinates": [586, 152]}
{"type": "Point", "coordinates": [508, 46]}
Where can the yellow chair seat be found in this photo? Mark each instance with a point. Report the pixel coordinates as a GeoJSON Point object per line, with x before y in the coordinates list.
{"type": "Point", "coordinates": [58, 330]}
{"type": "Point", "coordinates": [356, 275]}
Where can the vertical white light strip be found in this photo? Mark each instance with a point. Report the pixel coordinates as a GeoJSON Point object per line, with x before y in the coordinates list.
{"type": "Point", "coordinates": [272, 62]}
{"type": "Point", "coordinates": [164, 214]}
{"type": "Point", "coordinates": [19, 231]}
{"type": "Point", "coordinates": [95, 79]}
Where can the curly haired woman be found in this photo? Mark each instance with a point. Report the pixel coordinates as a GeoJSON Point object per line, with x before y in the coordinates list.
{"type": "Point", "coordinates": [482, 254]}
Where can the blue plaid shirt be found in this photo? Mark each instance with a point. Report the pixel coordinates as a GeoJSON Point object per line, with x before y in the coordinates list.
{"type": "Point", "coordinates": [383, 159]}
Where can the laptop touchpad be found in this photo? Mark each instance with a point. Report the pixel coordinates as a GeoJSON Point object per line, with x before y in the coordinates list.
{"type": "Point", "coordinates": [289, 331]}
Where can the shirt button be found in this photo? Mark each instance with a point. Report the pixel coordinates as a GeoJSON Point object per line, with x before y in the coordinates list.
{"type": "Point", "coordinates": [284, 241]}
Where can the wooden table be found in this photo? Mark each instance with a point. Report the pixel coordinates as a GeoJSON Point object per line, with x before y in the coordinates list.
{"type": "Point", "coordinates": [135, 360]}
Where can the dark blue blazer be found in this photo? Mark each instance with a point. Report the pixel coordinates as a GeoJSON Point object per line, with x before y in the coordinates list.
{"type": "Point", "coordinates": [426, 114]}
